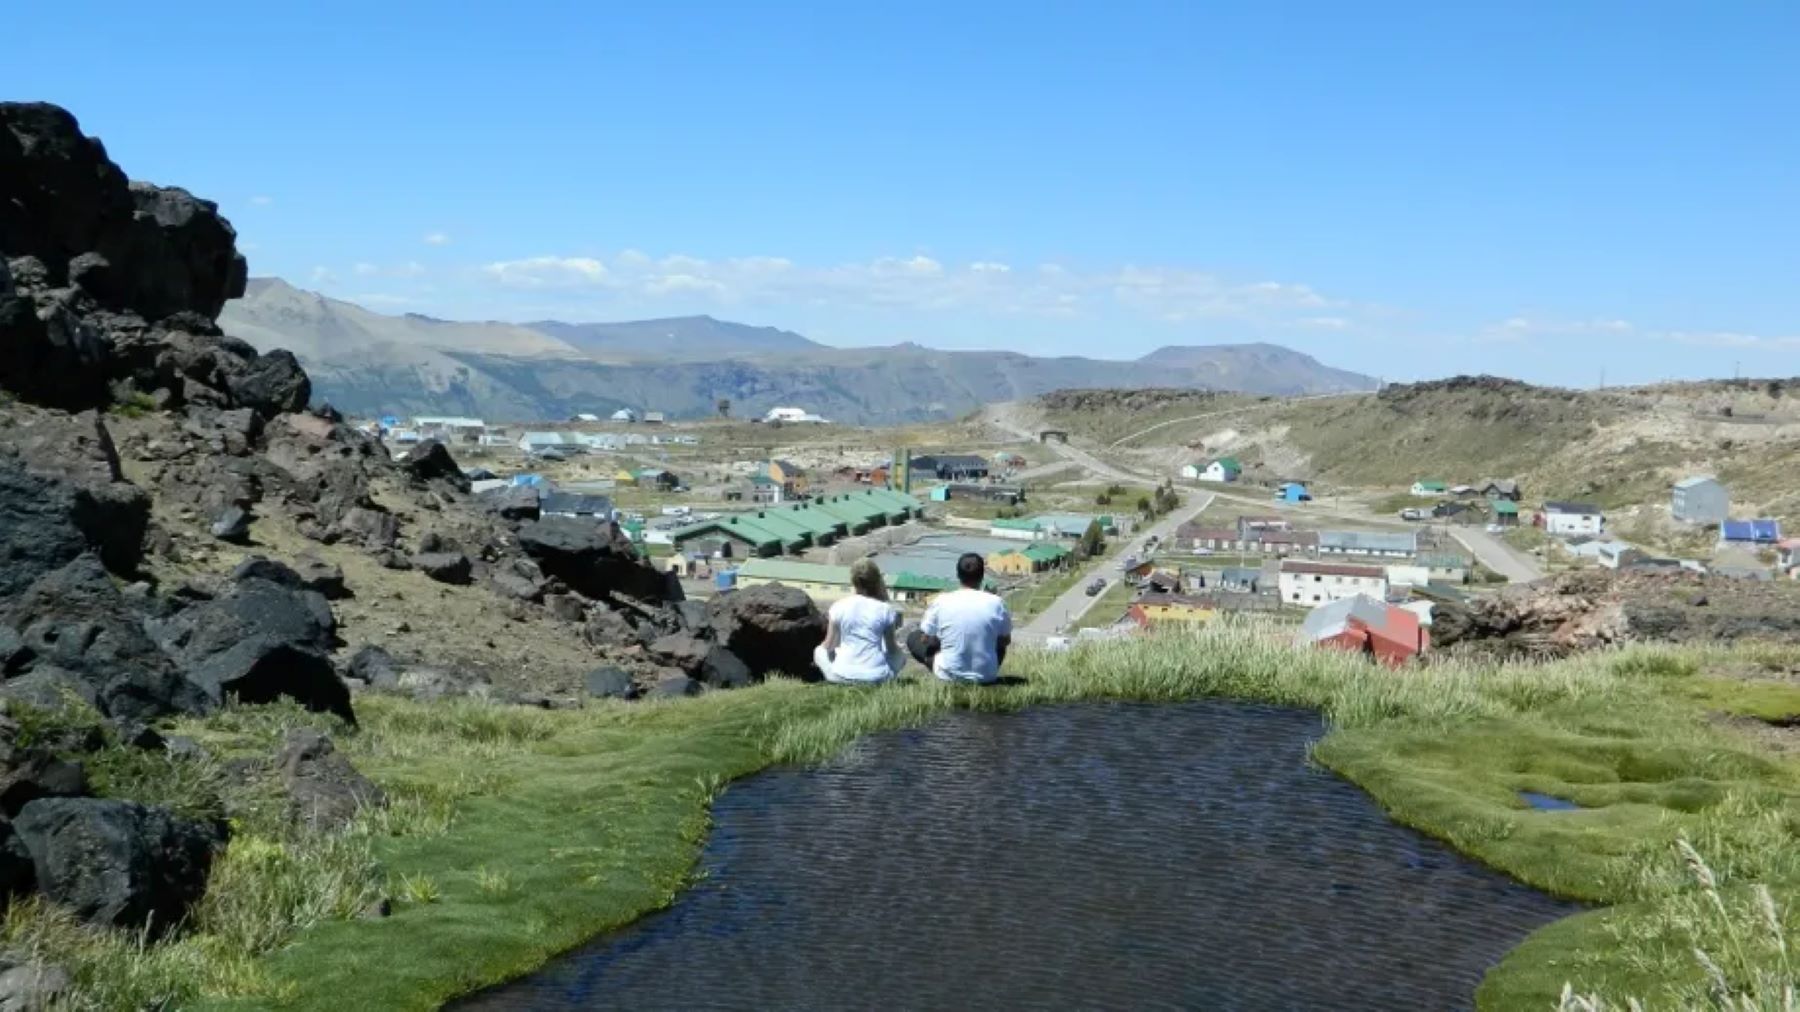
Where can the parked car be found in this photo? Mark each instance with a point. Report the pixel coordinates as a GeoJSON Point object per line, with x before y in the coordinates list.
{"type": "Point", "coordinates": [1097, 586]}
{"type": "Point", "coordinates": [1495, 529]}
{"type": "Point", "coordinates": [1410, 513]}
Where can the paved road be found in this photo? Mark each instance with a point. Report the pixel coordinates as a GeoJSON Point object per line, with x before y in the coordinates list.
{"type": "Point", "coordinates": [1497, 555]}
{"type": "Point", "coordinates": [1074, 603]}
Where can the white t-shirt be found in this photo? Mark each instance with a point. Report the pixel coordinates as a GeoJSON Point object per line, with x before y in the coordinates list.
{"type": "Point", "coordinates": [863, 624]}
{"type": "Point", "coordinates": [968, 625]}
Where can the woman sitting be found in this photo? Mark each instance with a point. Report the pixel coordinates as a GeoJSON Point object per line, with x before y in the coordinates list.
{"type": "Point", "coordinates": [859, 645]}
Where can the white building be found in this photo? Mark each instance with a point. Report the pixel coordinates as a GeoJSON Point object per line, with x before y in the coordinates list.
{"type": "Point", "coordinates": [1567, 519]}
{"type": "Point", "coordinates": [1314, 583]}
{"type": "Point", "coordinates": [1408, 575]}
{"type": "Point", "coordinates": [1386, 544]}
{"type": "Point", "coordinates": [624, 415]}
{"type": "Point", "coordinates": [793, 416]}
{"type": "Point", "coordinates": [538, 442]}
{"type": "Point", "coordinates": [450, 427]}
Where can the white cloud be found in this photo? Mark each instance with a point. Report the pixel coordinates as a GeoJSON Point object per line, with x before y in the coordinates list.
{"type": "Point", "coordinates": [548, 272]}
{"type": "Point", "coordinates": [1518, 329]}
{"type": "Point", "coordinates": [436, 239]}
{"type": "Point", "coordinates": [323, 275]}
{"type": "Point", "coordinates": [1732, 339]}
{"type": "Point", "coordinates": [261, 200]}
{"type": "Point", "coordinates": [366, 270]}
{"type": "Point", "coordinates": [409, 269]}
{"type": "Point", "coordinates": [921, 282]}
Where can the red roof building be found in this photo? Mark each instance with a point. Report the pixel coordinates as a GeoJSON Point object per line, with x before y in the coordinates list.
{"type": "Point", "coordinates": [1384, 632]}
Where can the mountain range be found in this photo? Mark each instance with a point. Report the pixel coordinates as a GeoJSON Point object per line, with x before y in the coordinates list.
{"type": "Point", "coordinates": [366, 363]}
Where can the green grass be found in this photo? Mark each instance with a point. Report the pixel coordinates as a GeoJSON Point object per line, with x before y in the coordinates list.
{"type": "Point", "coordinates": [1108, 609]}
{"type": "Point", "coordinates": [1026, 602]}
{"type": "Point", "coordinates": [517, 833]}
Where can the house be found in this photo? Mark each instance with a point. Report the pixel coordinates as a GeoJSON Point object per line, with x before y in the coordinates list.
{"type": "Point", "coordinates": [1394, 545]}
{"type": "Point", "coordinates": [1010, 562]}
{"type": "Point", "coordinates": [1429, 489]}
{"type": "Point", "coordinates": [1248, 524]}
{"type": "Point", "coordinates": [1312, 583]}
{"type": "Point", "coordinates": [1788, 556]}
{"type": "Point", "coordinates": [791, 476]}
{"type": "Point", "coordinates": [1048, 554]}
{"type": "Point", "coordinates": [574, 504]}
{"type": "Point", "coordinates": [792, 416]}
{"type": "Point", "coordinates": [1701, 499]}
{"type": "Point", "coordinates": [1292, 491]}
{"type": "Point", "coordinates": [951, 466]}
{"type": "Point", "coordinates": [822, 583]}
{"type": "Point", "coordinates": [1222, 469]}
{"type": "Point", "coordinates": [1386, 633]}
{"type": "Point", "coordinates": [1408, 575]}
{"type": "Point", "coordinates": [450, 429]}
{"type": "Point", "coordinates": [1568, 518]}
{"type": "Point", "coordinates": [656, 477]}
{"type": "Point", "coordinates": [547, 442]}
{"type": "Point", "coordinates": [1750, 532]}
{"type": "Point", "coordinates": [1506, 512]}
{"type": "Point", "coordinates": [1010, 495]}
{"type": "Point", "coordinates": [653, 418]}
{"type": "Point", "coordinates": [624, 415]}
{"type": "Point", "coordinates": [1048, 525]}
{"type": "Point", "coordinates": [1464, 490]}
{"type": "Point", "coordinates": [1240, 580]}
{"type": "Point", "coordinates": [1163, 610]}
{"type": "Point", "coordinates": [1444, 568]}
{"type": "Point", "coordinates": [1500, 488]}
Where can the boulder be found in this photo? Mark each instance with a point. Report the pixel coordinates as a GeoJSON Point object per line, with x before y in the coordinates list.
{"type": "Point", "coordinates": [513, 585]}
{"type": "Point", "coordinates": [609, 630]}
{"type": "Point", "coordinates": [261, 642]}
{"type": "Point", "coordinates": [567, 607]}
{"type": "Point", "coordinates": [117, 863]}
{"type": "Point", "coordinates": [512, 502]}
{"type": "Point", "coordinates": [40, 775]}
{"type": "Point", "coordinates": [610, 682]}
{"type": "Point", "coordinates": [595, 560]}
{"type": "Point", "coordinates": [324, 791]}
{"type": "Point", "coordinates": [375, 667]}
{"type": "Point", "coordinates": [670, 683]}
{"type": "Point", "coordinates": [307, 572]}
{"type": "Point", "coordinates": [771, 628]}
{"type": "Point", "coordinates": [430, 461]}
{"type": "Point", "coordinates": [232, 524]}
{"type": "Point", "coordinates": [33, 987]}
{"type": "Point", "coordinates": [681, 650]}
{"type": "Point", "coordinates": [80, 634]}
{"type": "Point", "coordinates": [17, 874]}
{"type": "Point", "coordinates": [692, 616]}
{"type": "Point", "coordinates": [722, 669]}
{"type": "Point", "coordinates": [61, 494]}
{"type": "Point", "coordinates": [445, 567]}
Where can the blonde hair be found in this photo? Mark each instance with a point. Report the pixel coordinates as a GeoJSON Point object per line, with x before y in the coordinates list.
{"type": "Point", "coordinates": [865, 579]}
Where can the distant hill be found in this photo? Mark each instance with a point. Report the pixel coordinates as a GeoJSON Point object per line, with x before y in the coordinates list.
{"type": "Point", "coordinates": [365, 362]}
{"type": "Point", "coordinates": [678, 337]}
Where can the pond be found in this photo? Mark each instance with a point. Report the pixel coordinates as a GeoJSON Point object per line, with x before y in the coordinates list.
{"type": "Point", "coordinates": [1091, 856]}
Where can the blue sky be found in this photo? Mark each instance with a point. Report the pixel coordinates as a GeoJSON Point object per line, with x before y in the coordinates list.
{"type": "Point", "coordinates": [1538, 189]}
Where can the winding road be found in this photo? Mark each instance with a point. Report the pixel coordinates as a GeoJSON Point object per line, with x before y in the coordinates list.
{"type": "Point", "coordinates": [1075, 602]}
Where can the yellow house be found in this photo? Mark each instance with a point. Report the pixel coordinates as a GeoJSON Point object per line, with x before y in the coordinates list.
{"type": "Point", "coordinates": [824, 584]}
{"type": "Point", "coordinates": [791, 475]}
{"type": "Point", "coordinates": [1011, 563]}
{"type": "Point", "coordinates": [623, 477]}
{"type": "Point", "coordinates": [1170, 610]}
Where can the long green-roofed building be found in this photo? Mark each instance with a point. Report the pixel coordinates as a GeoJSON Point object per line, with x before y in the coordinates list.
{"type": "Point", "coordinates": [791, 527]}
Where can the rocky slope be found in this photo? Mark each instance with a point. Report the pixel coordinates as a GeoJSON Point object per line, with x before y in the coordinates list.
{"type": "Point", "coordinates": [178, 533]}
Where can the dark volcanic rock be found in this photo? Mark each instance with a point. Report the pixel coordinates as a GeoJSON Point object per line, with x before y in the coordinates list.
{"type": "Point", "coordinates": [262, 642]}
{"type": "Point", "coordinates": [375, 667]}
{"type": "Point", "coordinates": [671, 683]}
{"type": "Point", "coordinates": [596, 560]}
{"type": "Point", "coordinates": [17, 875]}
{"type": "Point", "coordinates": [444, 567]}
{"type": "Point", "coordinates": [430, 460]}
{"type": "Point", "coordinates": [307, 572]}
{"type": "Point", "coordinates": [115, 285]}
{"type": "Point", "coordinates": [117, 863]}
{"type": "Point", "coordinates": [61, 494]}
{"type": "Point", "coordinates": [512, 502]}
{"type": "Point", "coordinates": [40, 775]}
{"type": "Point", "coordinates": [325, 792]}
{"type": "Point", "coordinates": [82, 634]}
{"type": "Point", "coordinates": [681, 650]}
{"type": "Point", "coordinates": [770, 628]}
{"type": "Point", "coordinates": [722, 669]}
{"type": "Point", "coordinates": [610, 682]}
{"type": "Point", "coordinates": [232, 524]}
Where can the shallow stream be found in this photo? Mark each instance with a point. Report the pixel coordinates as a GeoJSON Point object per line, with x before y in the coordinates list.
{"type": "Point", "coordinates": [1091, 856]}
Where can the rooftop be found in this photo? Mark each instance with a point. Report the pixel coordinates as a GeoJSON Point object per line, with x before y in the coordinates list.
{"type": "Point", "coordinates": [1370, 541]}
{"type": "Point", "coordinates": [1332, 569]}
{"type": "Point", "coordinates": [798, 572]}
{"type": "Point", "coordinates": [1572, 508]}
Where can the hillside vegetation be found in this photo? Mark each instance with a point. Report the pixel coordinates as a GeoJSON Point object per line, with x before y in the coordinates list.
{"type": "Point", "coordinates": [1619, 447]}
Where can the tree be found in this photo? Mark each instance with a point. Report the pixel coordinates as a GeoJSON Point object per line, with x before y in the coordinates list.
{"type": "Point", "coordinates": [1103, 500]}
{"type": "Point", "coordinates": [724, 407]}
{"type": "Point", "coordinates": [1143, 505]}
{"type": "Point", "coordinates": [1093, 541]}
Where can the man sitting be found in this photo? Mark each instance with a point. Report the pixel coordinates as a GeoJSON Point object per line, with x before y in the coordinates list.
{"type": "Point", "coordinates": [966, 632]}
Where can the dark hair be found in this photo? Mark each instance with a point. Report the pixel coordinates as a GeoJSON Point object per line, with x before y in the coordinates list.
{"type": "Point", "coordinates": [970, 569]}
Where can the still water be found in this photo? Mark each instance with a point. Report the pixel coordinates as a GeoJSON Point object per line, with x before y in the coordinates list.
{"type": "Point", "coordinates": [1089, 857]}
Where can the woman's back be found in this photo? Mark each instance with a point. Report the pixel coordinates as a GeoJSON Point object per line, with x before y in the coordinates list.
{"type": "Point", "coordinates": [864, 626]}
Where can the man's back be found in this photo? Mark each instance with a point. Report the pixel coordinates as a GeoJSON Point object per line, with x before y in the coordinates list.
{"type": "Point", "coordinates": [968, 625]}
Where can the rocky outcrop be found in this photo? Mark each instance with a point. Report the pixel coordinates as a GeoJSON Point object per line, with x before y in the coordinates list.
{"type": "Point", "coordinates": [598, 561]}
{"type": "Point", "coordinates": [771, 628]}
{"type": "Point", "coordinates": [117, 863]}
{"type": "Point", "coordinates": [259, 642]}
{"type": "Point", "coordinates": [113, 286]}
{"type": "Point", "coordinates": [62, 494]}
{"type": "Point", "coordinates": [430, 461]}
{"type": "Point", "coordinates": [78, 633]}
